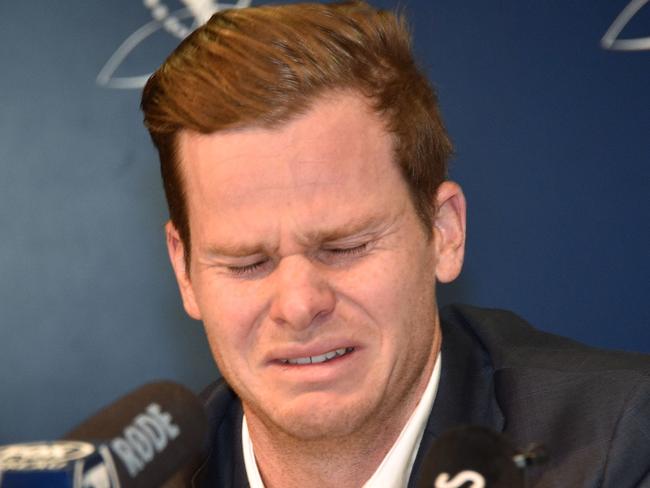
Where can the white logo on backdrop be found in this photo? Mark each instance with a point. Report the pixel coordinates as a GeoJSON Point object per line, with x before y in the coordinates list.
{"type": "Point", "coordinates": [611, 40]}
{"type": "Point", "coordinates": [194, 13]}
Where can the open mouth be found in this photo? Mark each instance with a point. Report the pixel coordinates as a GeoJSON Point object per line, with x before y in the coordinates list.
{"type": "Point", "coordinates": [322, 358]}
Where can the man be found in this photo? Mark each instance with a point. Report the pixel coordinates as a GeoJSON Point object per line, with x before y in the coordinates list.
{"type": "Point", "coordinates": [304, 163]}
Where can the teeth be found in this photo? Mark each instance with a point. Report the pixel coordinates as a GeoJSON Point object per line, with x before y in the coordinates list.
{"type": "Point", "coordinates": [319, 359]}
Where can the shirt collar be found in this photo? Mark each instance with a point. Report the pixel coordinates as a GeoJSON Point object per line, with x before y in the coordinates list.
{"type": "Point", "coordinates": [395, 468]}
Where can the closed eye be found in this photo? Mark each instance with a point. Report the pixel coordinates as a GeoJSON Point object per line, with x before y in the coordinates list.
{"type": "Point", "coordinates": [349, 251]}
{"type": "Point", "coordinates": [248, 269]}
{"type": "Point", "coordinates": [344, 256]}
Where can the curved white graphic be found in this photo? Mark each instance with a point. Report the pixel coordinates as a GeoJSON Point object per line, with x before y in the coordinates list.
{"type": "Point", "coordinates": [163, 18]}
{"type": "Point", "coordinates": [611, 41]}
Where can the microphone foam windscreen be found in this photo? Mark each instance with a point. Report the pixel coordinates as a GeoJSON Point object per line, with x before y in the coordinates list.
{"type": "Point", "coordinates": [151, 432]}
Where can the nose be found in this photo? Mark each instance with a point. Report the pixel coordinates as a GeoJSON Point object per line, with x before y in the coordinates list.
{"type": "Point", "coordinates": [302, 294]}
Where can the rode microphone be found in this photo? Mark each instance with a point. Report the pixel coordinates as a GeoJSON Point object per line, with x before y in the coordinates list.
{"type": "Point", "coordinates": [476, 457]}
{"type": "Point", "coordinates": [139, 441]}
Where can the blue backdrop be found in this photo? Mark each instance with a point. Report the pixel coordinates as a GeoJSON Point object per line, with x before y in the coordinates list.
{"type": "Point", "coordinates": [552, 135]}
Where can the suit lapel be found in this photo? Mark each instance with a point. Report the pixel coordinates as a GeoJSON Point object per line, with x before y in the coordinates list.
{"type": "Point", "coordinates": [466, 392]}
{"type": "Point", "coordinates": [224, 461]}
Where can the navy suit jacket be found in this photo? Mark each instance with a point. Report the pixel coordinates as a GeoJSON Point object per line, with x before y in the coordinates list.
{"type": "Point", "coordinates": [589, 407]}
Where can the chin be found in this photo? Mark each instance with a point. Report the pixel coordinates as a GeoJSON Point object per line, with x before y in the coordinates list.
{"type": "Point", "coordinates": [315, 420]}
{"type": "Point", "coordinates": [316, 426]}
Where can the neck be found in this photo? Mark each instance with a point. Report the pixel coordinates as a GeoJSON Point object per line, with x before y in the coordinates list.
{"type": "Point", "coordinates": [324, 463]}
{"type": "Point", "coordinates": [284, 460]}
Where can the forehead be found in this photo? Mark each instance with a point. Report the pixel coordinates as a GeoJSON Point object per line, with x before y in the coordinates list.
{"type": "Point", "coordinates": [338, 157]}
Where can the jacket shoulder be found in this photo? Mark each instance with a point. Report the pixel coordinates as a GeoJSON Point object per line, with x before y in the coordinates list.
{"type": "Point", "coordinates": [513, 343]}
{"type": "Point", "coordinates": [588, 406]}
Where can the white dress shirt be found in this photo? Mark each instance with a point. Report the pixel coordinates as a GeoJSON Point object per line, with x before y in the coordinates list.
{"type": "Point", "coordinates": [395, 469]}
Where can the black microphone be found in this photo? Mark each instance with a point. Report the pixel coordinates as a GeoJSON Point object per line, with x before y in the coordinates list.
{"type": "Point", "coordinates": [139, 441]}
{"type": "Point", "coordinates": [476, 457]}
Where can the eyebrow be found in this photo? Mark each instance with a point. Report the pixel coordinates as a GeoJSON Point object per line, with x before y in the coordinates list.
{"type": "Point", "coordinates": [350, 229]}
{"type": "Point", "coordinates": [353, 228]}
{"type": "Point", "coordinates": [234, 250]}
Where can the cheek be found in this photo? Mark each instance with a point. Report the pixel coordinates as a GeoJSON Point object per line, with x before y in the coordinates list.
{"type": "Point", "coordinates": [231, 313]}
{"type": "Point", "coordinates": [395, 279]}
{"type": "Point", "coordinates": [395, 296]}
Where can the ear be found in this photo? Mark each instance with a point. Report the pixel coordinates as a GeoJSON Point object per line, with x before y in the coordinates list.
{"type": "Point", "coordinates": [176, 250]}
{"type": "Point", "coordinates": [449, 231]}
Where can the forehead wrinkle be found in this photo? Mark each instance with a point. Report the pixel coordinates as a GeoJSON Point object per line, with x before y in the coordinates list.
{"type": "Point", "coordinates": [302, 173]}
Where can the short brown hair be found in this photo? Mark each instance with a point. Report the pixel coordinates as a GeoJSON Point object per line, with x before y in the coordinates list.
{"type": "Point", "coordinates": [263, 66]}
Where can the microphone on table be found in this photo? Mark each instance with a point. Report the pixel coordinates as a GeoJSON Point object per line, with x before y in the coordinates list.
{"type": "Point", "coordinates": [139, 441]}
{"type": "Point", "coordinates": [476, 457]}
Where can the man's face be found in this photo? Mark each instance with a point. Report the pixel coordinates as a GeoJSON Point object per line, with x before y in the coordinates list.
{"type": "Point", "coordinates": [310, 270]}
